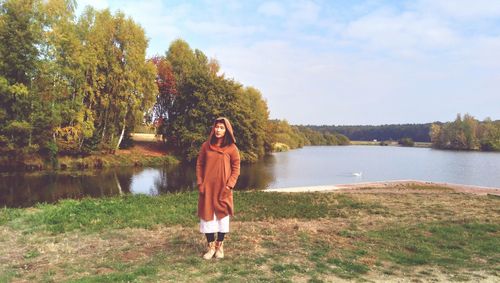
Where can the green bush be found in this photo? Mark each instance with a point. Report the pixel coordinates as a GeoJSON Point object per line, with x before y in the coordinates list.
{"type": "Point", "coordinates": [406, 142]}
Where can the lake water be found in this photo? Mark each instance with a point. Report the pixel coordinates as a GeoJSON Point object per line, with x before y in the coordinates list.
{"type": "Point", "coordinates": [308, 166]}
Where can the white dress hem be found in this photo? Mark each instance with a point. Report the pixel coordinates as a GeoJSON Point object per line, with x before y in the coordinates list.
{"type": "Point", "coordinates": [215, 225]}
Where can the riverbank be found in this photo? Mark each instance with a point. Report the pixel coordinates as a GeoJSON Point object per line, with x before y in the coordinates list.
{"type": "Point", "coordinates": [143, 153]}
{"type": "Point", "coordinates": [393, 143]}
{"type": "Point", "coordinates": [433, 233]}
{"type": "Point", "coordinates": [147, 151]}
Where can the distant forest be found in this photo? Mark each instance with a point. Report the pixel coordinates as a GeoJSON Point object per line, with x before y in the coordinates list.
{"type": "Point", "coordinates": [417, 132]}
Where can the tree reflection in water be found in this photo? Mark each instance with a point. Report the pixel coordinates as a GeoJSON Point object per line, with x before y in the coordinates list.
{"type": "Point", "coordinates": [28, 189]}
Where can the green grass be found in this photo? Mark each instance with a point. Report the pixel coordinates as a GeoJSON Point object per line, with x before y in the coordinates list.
{"type": "Point", "coordinates": [344, 264]}
{"type": "Point", "coordinates": [450, 245]}
{"type": "Point", "coordinates": [140, 211]}
{"type": "Point", "coordinates": [32, 254]}
{"type": "Point", "coordinates": [7, 275]}
{"type": "Point", "coordinates": [127, 274]}
{"type": "Point", "coordinates": [135, 211]}
{"type": "Point", "coordinates": [272, 205]}
{"type": "Point", "coordinates": [9, 214]}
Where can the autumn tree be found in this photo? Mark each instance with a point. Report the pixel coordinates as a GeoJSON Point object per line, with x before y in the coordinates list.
{"type": "Point", "coordinates": [119, 82]}
{"type": "Point", "coordinates": [489, 135]}
{"type": "Point", "coordinates": [202, 94]}
{"type": "Point", "coordinates": [20, 34]}
{"type": "Point", "coordinates": [167, 92]}
{"type": "Point", "coordinates": [283, 132]}
{"type": "Point", "coordinates": [466, 133]}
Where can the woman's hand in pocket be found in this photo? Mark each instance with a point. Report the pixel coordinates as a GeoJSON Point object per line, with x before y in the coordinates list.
{"type": "Point", "coordinates": [226, 192]}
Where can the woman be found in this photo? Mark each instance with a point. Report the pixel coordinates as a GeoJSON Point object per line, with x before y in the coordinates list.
{"type": "Point", "coordinates": [217, 170]}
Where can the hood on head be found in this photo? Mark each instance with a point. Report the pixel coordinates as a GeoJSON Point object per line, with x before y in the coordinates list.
{"type": "Point", "coordinates": [229, 129]}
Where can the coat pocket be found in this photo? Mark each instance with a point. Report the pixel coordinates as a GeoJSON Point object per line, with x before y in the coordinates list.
{"type": "Point", "coordinates": [225, 193]}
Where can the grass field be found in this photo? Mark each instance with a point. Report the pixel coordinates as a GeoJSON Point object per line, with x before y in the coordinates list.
{"type": "Point", "coordinates": [418, 234]}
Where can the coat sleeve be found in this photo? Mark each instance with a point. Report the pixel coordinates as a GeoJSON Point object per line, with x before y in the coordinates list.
{"type": "Point", "coordinates": [235, 168]}
{"type": "Point", "coordinates": [200, 164]}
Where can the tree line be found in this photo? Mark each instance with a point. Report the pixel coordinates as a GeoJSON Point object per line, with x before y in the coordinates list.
{"type": "Point", "coordinates": [416, 132]}
{"type": "Point", "coordinates": [466, 133]}
{"type": "Point", "coordinates": [292, 136]}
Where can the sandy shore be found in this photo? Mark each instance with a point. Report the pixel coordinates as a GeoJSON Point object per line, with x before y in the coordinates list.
{"type": "Point", "coordinates": [387, 186]}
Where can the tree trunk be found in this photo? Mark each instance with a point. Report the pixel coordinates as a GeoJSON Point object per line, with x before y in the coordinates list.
{"type": "Point", "coordinates": [31, 121]}
{"type": "Point", "coordinates": [106, 115]}
{"type": "Point", "coordinates": [104, 128]}
{"type": "Point", "coordinates": [121, 135]}
{"type": "Point", "coordinates": [81, 144]}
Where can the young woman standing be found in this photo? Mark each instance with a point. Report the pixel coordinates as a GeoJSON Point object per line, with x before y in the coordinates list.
{"type": "Point", "coordinates": [217, 170]}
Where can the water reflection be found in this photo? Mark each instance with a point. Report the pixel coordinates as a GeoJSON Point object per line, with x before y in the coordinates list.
{"type": "Point", "coordinates": [257, 176]}
{"type": "Point", "coordinates": [28, 189]}
{"type": "Point", "coordinates": [21, 190]}
{"type": "Point", "coordinates": [146, 182]}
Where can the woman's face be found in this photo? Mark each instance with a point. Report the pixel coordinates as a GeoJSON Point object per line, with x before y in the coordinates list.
{"type": "Point", "coordinates": [220, 130]}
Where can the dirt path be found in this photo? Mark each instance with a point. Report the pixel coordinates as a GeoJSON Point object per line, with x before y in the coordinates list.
{"type": "Point", "coordinates": [147, 145]}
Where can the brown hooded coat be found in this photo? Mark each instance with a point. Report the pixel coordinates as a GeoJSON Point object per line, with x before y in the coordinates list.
{"type": "Point", "coordinates": [216, 168]}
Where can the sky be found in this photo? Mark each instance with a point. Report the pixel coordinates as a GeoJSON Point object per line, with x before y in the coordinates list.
{"type": "Point", "coordinates": [352, 62]}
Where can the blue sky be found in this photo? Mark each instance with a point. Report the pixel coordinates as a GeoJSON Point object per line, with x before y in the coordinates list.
{"type": "Point", "coordinates": [342, 62]}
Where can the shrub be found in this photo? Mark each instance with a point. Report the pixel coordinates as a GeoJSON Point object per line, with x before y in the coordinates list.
{"type": "Point", "coordinates": [406, 142]}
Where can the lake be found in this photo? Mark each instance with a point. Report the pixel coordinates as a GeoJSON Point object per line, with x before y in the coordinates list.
{"type": "Point", "coordinates": [308, 166]}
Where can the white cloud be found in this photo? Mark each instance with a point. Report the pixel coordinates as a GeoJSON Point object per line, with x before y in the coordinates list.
{"type": "Point", "coordinates": [306, 87]}
{"type": "Point", "coordinates": [482, 52]}
{"type": "Point", "coordinates": [232, 5]}
{"type": "Point", "coordinates": [334, 87]}
{"type": "Point", "coordinates": [221, 28]}
{"type": "Point", "coordinates": [304, 12]}
{"type": "Point", "coordinates": [97, 4]}
{"type": "Point", "coordinates": [403, 33]}
{"type": "Point", "coordinates": [461, 9]}
{"type": "Point", "coordinates": [271, 9]}
{"type": "Point", "coordinates": [158, 19]}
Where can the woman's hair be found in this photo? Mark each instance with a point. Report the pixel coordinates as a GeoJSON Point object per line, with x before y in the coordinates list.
{"type": "Point", "coordinates": [227, 137]}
